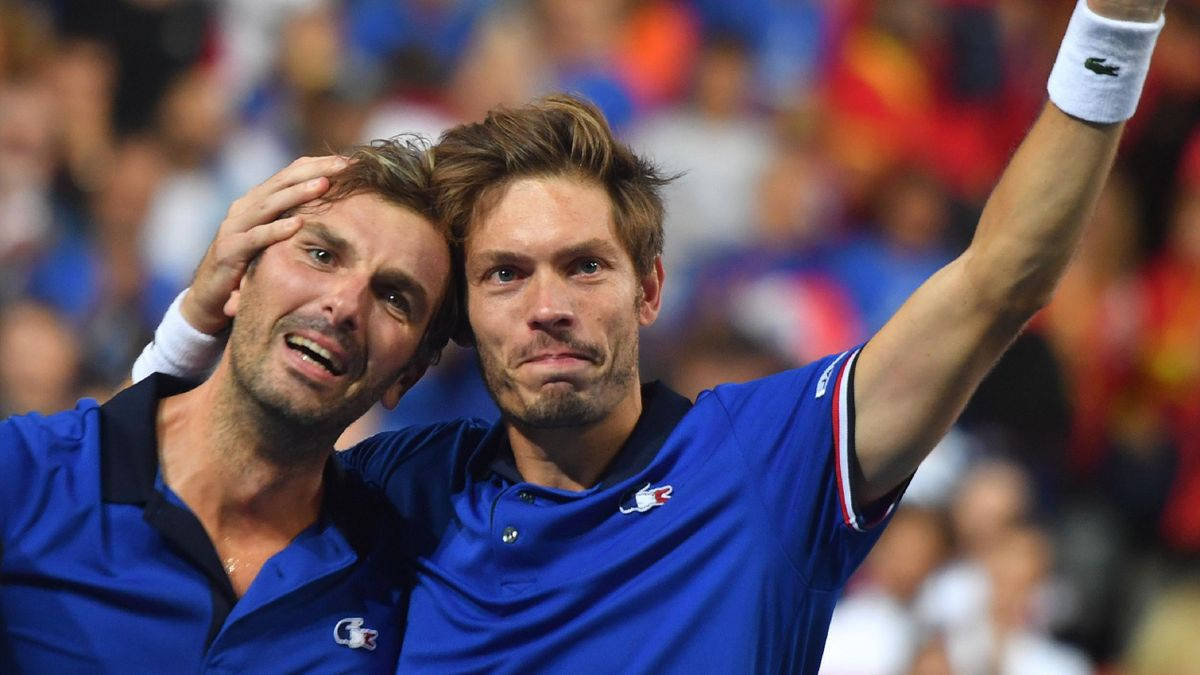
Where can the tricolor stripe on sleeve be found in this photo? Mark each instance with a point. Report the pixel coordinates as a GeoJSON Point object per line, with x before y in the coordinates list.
{"type": "Point", "coordinates": [843, 446]}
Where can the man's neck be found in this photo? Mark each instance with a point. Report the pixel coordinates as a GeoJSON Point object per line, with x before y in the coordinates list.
{"type": "Point", "coordinates": [216, 453]}
{"type": "Point", "coordinates": [574, 458]}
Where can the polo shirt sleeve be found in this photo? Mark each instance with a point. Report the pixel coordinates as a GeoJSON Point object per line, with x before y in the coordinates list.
{"type": "Point", "coordinates": [795, 432]}
{"type": "Point", "coordinates": [414, 467]}
{"type": "Point", "coordinates": [39, 455]}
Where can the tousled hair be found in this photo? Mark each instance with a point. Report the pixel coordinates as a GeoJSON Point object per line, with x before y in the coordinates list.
{"type": "Point", "coordinates": [559, 135]}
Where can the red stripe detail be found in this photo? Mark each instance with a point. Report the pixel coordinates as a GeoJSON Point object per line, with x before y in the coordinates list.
{"type": "Point", "coordinates": [837, 440]}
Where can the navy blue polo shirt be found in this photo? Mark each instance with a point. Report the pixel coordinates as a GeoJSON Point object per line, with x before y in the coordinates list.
{"type": "Point", "coordinates": [718, 541]}
{"type": "Point", "coordinates": [104, 569]}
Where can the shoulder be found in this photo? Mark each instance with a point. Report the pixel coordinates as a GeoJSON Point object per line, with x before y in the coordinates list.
{"type": "Point", "coordinates": [396, 460]}
{"type": "Point", "coordinates": [417, 443]}
{"type": "Point", "coordinates": [49, 435]}
{"type": "Point", "coordinates": [816, 382]}
{"type": "Point", "coordinates": [39, 452]}
{"type": "Point", "coordinates": [419, 470]}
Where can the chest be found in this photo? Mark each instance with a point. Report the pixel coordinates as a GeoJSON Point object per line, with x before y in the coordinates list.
{"type": "Point", "coordinates": [679, 567]}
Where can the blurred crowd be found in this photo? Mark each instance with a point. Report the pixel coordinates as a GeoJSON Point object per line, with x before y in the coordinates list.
{"type": "Point", "coordinates": [831, 155]}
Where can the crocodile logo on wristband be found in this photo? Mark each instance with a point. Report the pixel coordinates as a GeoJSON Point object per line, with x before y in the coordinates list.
{"type": "Point", "coordinates": [1096, 65]}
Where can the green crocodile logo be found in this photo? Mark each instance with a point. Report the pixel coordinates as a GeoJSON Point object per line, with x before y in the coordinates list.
{"type": "Point", "coordinates": [1097, 66]}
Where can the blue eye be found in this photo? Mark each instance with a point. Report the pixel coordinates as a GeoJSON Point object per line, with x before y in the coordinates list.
{"type": "Point", "coordinates": [320, 256]}
{"type": "Point", "coordinates": [504, 275]}
{"type": "Point", "coordinates": [588, 266]}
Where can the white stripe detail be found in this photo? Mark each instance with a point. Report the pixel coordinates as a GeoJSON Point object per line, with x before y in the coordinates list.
{"type": "Point", "coordinates": [844, 449]}
{"type": "Point", "coordinates": [823, 383]}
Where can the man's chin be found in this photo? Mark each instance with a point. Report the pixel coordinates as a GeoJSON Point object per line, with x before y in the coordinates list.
{"type": "Point", "coordinates": [558, 405]}
{"type": "Point", "coordinates": [309, 409]}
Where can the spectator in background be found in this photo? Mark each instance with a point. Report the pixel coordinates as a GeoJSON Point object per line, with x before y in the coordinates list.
{"type": "Point", "coordinates": [246, 39]}
{"type": "Point", "coordinates": [503, 65]}
{"type": "Point", "coordinates": [1012, 636]}
{"type": "Point", "coordinates": [658, 52]}
{"type": "Point", "coordinates": [789, 40]}
{"type": "Point", "coordinates": [714, 354]}
{"type": "Point", "coordinates": [1114, 489]}
{"type": "Point", "coordinates": [211, 159]}
{"type": "Point", "coordinates": [776, 285]}
{"type": "Point", "coordinates": [904, 245]}
{"type": "Point", "coordinates": [879, 601]}
{"type": "Point", "coordinates": [83, 75]}
{"type": "Point", "coordinates": [27, 164]}
{"type": "Point", "coordinates": [582, 41]}
{"type": "Point", "coordinates": [40, 361]}
{"type": "Point", "coordinates": [720, 148]}
{"type": "Point", "coordinates": [150, 43]}
{"type": "Point", "coordinates": [1170, 116]}
{"type": "Point", "coordinates": [1092, 320]}
{"type": "Point", "coordinates": [993, 496]}
{"type": "Point", "coordinates": [96, 278]}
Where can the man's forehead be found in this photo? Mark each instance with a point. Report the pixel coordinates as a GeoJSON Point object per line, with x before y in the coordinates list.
{"type": "Point", "coordinates": [545, 210]}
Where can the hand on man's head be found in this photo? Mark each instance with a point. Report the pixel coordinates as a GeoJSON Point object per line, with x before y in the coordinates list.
{"type": "Point", "coordinates": [252, 224]}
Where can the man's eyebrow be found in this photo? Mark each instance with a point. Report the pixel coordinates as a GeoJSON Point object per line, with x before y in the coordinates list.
{"type": "Point", "coordinates": [498, 257]}
{"type": "Point", "coordinates": [328, 237]}
{"type": "Point", "coordinates": [595, 246]}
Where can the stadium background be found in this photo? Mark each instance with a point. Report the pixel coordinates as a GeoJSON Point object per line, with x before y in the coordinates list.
{"type": "Point", "coordinates": [835, 153]}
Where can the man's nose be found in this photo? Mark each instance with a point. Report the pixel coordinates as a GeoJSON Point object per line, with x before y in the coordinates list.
{"type": "Point", "coordinates": [346, 301]}
{"type": "Point", "coordinates": [551, 306]}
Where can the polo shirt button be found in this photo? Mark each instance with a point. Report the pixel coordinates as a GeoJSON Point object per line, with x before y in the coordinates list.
{"type": "Point", "coordinates": [525, 496]}
{"type": "Point", "coordinates": [509, 535]}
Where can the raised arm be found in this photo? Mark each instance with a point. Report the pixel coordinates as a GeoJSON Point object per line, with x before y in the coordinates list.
{"type": "Point", "coordinates": [915, 376]}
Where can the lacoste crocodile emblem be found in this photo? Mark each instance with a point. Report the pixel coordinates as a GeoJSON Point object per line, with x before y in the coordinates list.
{"type": "Point", "coordinates": [1096, 65]}
{"type": "Point", "coordinates": [645, 499]}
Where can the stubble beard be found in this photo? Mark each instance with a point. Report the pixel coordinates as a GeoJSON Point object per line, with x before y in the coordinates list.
{"type": "Point", "coordinates": [562, 405]}
{"type": "Point", "coordinates": [274, 410]}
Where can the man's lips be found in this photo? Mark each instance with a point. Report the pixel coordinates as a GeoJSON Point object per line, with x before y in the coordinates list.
{"type": "Point", "coordinates": [558, 358]}
{"type": "Point", "coordinates": [320, 350]}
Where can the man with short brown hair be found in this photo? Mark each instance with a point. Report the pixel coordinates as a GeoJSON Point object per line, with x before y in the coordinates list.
{"type": "Point", "coordinates": [186, 529]}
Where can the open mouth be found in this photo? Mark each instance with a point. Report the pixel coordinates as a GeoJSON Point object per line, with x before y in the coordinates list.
{"type": "Point", "coordinates": [311, 351]}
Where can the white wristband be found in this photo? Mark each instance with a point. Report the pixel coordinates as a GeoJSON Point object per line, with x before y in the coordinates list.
{"type": "Point", "coordinates": [178, 349]}
{"type": "Point", "coordinates": [1102, 66]}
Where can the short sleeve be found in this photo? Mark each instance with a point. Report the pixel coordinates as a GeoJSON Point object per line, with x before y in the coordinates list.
{"type": "Point", "coordinates": [415, 468]}
{"type": "Point", "coordinates": [43, 459]}
{"type": "Point", "coordinates": [795, 431]}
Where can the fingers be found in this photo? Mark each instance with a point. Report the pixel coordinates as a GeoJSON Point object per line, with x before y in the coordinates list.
{"type": "Point", "coordinates": [305, 169]}
{"type": "Point", "coordinates": [286, 198]}
{"type": "Point", "coordinates": [301, 181]}
{"type": "Point", "coordinates": [263, 236]}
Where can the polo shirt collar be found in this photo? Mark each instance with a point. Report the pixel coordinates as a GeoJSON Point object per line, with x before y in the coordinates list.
{"type": "Point", "coordinates": [129, 439]}
{"type": "Point", "coordinates": [129, 460]}
{"type": "Point", "coordinates": [662, 409]}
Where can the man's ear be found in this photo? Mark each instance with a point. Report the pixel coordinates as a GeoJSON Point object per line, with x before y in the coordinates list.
{"type": "Point", "coordinates": [231, 305]}
{"type": "Point", "coordinates": [652, 285]}
{"type": "Point", "coordinates": [235, 300]}
{"type": "Point", "coordinates": [391, 397]}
